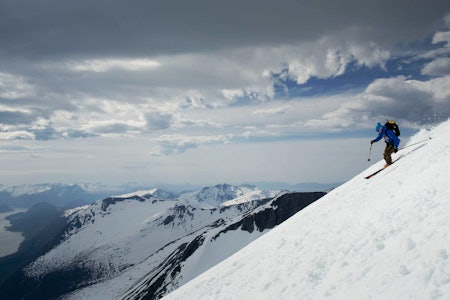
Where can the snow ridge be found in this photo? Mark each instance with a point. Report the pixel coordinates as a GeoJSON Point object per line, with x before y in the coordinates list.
{"type": "Point", "coordinates": [383, 238]}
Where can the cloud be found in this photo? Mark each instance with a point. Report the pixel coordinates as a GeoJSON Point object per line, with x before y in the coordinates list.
{"type": "Point", "coordinates": [410, 101]}
{"type": "Point", "coordinates": [271, 111]}
{"type": "Point", "coordinates": [175, 143]}
{"type": "Point", "coordinates": [16, 135]}
{"type": "Point", "coordinates": [330, 57]}
{"type": "Point", "coordinates": [14, 87]}
{"type": "Point", "coordinates": [438, 67]}
{"type": "Point", "coordinates": [158, 121]}
{"type": "Point", "coordinates": [440, 61]}
{"type": "Point", "coordinates": [207, 70]}
{"type": "Point", "coordinates": [15, 117]}
{"type": "Point", "coordinates": [400, 98]}
{"type": "Point", "coordinates": [111, 127]}
{"type": "Point", "coordinates": [415, 102]}
{"type": "Point", "coordinates": [442, 40]}
{"type": "Point", "coordinates": [105, 65]}
{"type": "Point", "coordinates": [113, 28]}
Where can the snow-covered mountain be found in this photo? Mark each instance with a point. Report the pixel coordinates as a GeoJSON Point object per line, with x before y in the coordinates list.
{"type": "Point", "coordinates": [383, 238]}
{"type": "Point", "coordinates": [225, 194]}
{"type": "Point", "coordinates": [146, 244]}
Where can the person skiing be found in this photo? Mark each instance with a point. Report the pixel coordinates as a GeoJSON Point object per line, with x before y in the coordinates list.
{"type": "Point", "coordinates": [390, 133]}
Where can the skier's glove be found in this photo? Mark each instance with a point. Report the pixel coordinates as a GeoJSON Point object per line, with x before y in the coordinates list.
{"type": "Point", "coordinates": [395, 150]}
{"type": "Point", "coordinates": [371, 142]}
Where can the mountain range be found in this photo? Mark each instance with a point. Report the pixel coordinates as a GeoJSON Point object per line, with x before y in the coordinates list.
{"type": "Point", "coordinates": [68, 196]}
{"type": "Point", "coordinates": [144, 244]}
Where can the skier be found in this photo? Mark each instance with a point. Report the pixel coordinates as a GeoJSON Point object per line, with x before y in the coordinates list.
{"type": "Point", "coordinates": [390, 133]}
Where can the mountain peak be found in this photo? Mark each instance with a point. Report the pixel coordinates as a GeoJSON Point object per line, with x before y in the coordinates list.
{"type": "Point", "coordinates": [215, 196]}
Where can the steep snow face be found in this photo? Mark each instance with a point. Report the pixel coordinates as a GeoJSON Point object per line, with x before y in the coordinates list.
{"type": "Point", "coordinates": [383, 238]}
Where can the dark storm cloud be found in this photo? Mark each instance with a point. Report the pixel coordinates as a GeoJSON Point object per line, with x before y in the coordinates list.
{"type": "Point", "coordinates": [52, 28]}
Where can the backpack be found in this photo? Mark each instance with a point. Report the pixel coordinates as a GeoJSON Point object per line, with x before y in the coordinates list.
{"type": "Point", "coordinates": [393, 126]}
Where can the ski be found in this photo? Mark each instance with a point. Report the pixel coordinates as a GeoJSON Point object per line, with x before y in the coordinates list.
{"type": "Point", "coordinates": [378, 171]}
{"type": "Point", "coordinates": [375, 173]}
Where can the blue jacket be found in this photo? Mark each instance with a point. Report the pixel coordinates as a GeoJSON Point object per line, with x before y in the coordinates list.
{"type": "Point", "coordinates": [389, 137]}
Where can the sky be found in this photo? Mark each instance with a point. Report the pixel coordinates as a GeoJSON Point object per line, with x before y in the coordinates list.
{"type": "Point", "coordinates": [206, 92]}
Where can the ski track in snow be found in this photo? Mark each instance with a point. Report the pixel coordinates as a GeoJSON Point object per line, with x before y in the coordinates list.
{"type": "Point", "coordinates": [383, 238]}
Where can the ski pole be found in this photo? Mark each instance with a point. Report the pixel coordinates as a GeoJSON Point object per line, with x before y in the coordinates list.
{"type": "Point", "coordinates": [423, 141]}
{"type": "Point", "coordinates": [370, 151]}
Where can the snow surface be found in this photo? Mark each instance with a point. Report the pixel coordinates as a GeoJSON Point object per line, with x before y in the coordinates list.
{"type": "Point", "coordinates": [383, 238]}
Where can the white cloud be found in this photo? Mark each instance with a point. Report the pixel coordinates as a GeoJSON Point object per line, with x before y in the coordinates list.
{"type": "Point", "coordinates": [271, 111]}
{"type": "Point", "coordinates": [442, 37]}
{"type": "Point", "coordinates": [410, 101]}
{"type": "Point", "coordinates": [105, 65]}
{"type": "Point", "coordinates": [439, 38]}
{"type": "Point", "coordinates": [14, 87]}
{"type": "Point", "coordinates": [330, 57]}
{"type": "Point", "coordinates": [439, 88]}
{"type": "Point", "coordinates": [438, 67]}
{"type": "Point", "coordinates": [177, 143]}
{"type": "Point", "coordinates": [16, 135]}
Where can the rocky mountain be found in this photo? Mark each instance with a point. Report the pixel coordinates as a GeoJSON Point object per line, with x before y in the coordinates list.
{"type": "Point", "coordinates": [145, 244]}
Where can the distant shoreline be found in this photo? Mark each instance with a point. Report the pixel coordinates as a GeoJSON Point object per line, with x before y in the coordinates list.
{"type": "Point", "coordinates": [9, 240]}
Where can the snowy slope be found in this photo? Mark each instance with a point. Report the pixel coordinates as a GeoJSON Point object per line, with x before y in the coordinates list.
{"type": "Point", "coordinates": [103, 233]}
{"type": "Point", "coordinates": [383, 238]}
